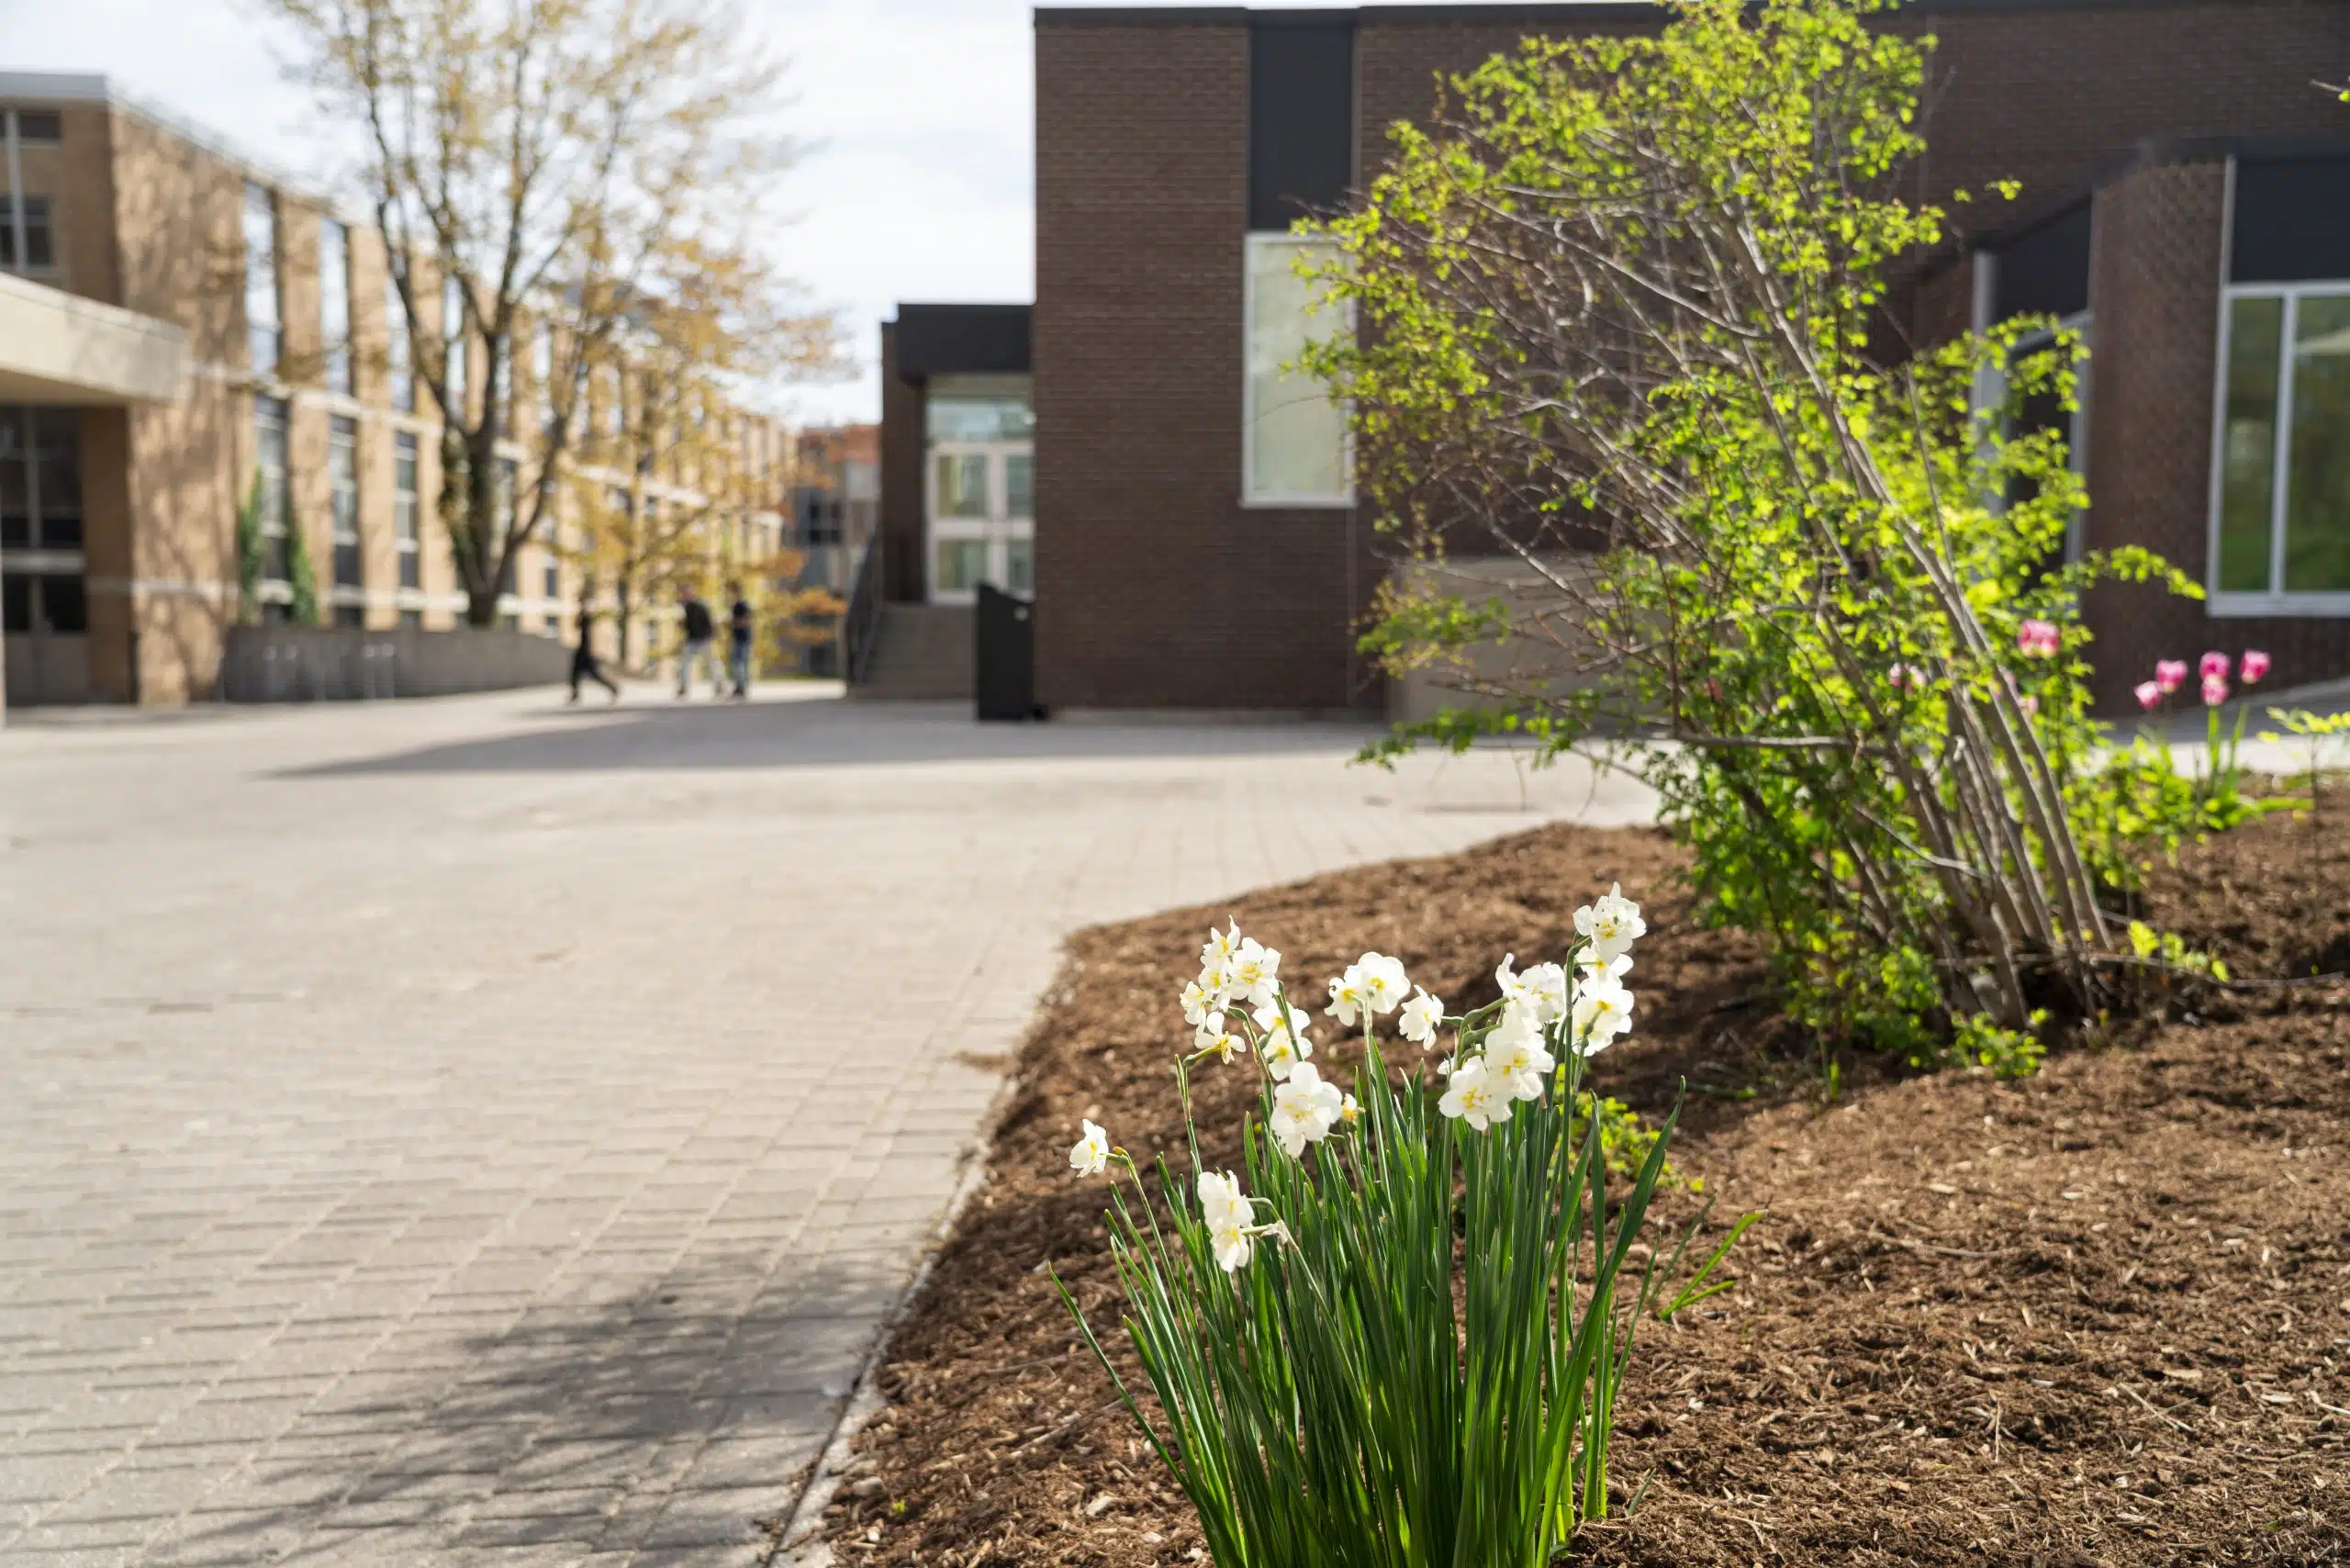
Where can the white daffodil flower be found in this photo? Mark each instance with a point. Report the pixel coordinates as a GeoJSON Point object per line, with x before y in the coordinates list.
{"type": "Point", "coordinates": [1595, 970]}
{"type": "Point", "coordinates": [1421, 1016]}
{"type": "Point", "coordinates": [1229, 1216]}
{"type": "Point", "coordinates": [1220, 1197]}
{"type": "Point", "coordinates": [1346, 997]}
{"type": "Point", "coordinates": [1382, 982]}
{"type": "Point", "coordinates": [1285, 1043]}
{"type": "Point", "coordinates": [1090, 1156]}
{"type": "Point", "coordinates": [1200, 1002]}
{"type": "Point", "coordinates": [1253, 972]}
{"type": "Point", "coordinates": [1603, 1010]}
{"type": "Point", "coordinates": [1611, 925]}
{"type": "Point", "coordinates": [1475, 1098]}
{"type": "Point", "coordinates": [1304, 1109]}
{"type": "Point", "coordinates": [1221, 948]}
{"type": "Point", "coordinates": [1231, 1243]}
{"type": "Point", "coordinates": [1211, 1037]}
{"type": "Point", "coordinates": [1349, 1111]}
{"type": "Point", "coordinates": [1517, 1060]}
{"type": "Point", "coordinates": [1541, 991]}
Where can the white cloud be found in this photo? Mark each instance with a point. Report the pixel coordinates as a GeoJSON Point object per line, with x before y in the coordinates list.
{"type": "Point", "coordinates": [920, 187]}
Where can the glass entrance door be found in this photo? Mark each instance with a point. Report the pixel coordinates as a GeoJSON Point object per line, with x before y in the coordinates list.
{"type": "Point", "coordinates": [982, 506]}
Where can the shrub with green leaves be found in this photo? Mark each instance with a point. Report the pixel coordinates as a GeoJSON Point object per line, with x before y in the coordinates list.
{"type": "Point", "coordinates": [1398, 1337]}
{"type": "Point", "coordinates": [1622, 311]}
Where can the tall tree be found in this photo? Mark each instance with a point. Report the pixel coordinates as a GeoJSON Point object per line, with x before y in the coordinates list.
{"type": "Point", "coordinates": [545, 163]}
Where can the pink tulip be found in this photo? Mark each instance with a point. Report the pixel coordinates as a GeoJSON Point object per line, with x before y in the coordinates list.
{"type": "Point", "coordinates": [2037, 639]}
{"type": "Point", "coordinates": [2148, 695]}
{"type": "Point", "coordinates": [2170, 674]}
{"type": "Point", "coordinates": [2255, 665]}
{"type": "Point", "coordinates": [2215, 667]}
{"type": "Point", "coordinates": [2215, 690]}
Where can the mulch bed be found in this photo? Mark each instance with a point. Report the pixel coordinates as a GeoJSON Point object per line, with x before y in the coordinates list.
{"type": "Point", "coordinates": [2099, 1317]}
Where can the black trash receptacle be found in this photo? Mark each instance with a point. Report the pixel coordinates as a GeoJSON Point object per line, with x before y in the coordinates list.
{"type": "Point", "coordinates": [1005, 657]}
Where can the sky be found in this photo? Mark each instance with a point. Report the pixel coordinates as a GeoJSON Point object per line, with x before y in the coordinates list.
{"type": "Point", "coordinates": [920, 187]}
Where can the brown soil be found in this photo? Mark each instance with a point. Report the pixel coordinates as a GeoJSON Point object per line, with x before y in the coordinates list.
{"type": "Point", "coordinates": [2101, 1316]}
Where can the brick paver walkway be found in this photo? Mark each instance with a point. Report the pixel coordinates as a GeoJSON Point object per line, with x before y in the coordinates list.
{"type": "Point", "coordinates": [470, 1132]}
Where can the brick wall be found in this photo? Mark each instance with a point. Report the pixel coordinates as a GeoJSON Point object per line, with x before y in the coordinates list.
{"type": "Point", "coordinates": [2155, 283]}
{"type": "Point", "coordinates": [1155, 587]}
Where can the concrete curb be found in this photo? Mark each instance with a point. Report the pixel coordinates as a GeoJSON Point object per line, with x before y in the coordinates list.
{"type": "Point", "coordinates": [799, 1544]}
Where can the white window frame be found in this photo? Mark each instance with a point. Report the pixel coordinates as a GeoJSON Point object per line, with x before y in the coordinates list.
{"type": "Point", "coordinates": [2276, 600]}
{"type": "Point", "coordinates": [405, 541]}
{"type": "Point", "coordinates": [1251, 496]}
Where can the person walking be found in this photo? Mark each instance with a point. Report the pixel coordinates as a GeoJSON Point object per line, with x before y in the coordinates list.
{"type": "Point", "coordinates": [739, 640]}
{"type": "Point", "coordinates": [584, 666]}
{"type": "Point", "coordinates": [699, 633]}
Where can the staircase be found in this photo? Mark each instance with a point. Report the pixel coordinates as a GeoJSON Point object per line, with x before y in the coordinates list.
{"type": "Point", "coordinates": [922, 654]}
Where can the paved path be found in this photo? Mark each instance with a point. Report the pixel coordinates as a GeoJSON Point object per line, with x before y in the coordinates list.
{"type": "Point", "coordinates": [473, 1131]}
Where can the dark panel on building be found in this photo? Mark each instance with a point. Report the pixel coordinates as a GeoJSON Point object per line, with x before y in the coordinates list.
{"type": "Point", "coordinates": [2046, 272]}
{"type": "Point", "coordinates": [1301, 117]}
{"type": "Point", "coordinates": [961, 340]}
{"type": "Point", "coordinates": [2292, 220]}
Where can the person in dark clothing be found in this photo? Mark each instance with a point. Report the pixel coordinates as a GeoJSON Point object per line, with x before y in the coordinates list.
{"type": "Point", "coordinates": [739, 640]}
{"type": "Point", "coordinates": [584, 666]}
{"type": "Point", "coordinates": [699, 633]}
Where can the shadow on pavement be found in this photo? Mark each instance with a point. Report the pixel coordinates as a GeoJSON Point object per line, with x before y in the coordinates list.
{"type": "Point", "coordinates": [827, 734]}
{"type": "Point", "coordinates": [674, 1423]}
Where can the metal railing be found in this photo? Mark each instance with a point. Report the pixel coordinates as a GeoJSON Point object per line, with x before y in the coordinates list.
{"type": "Point", "coordinates": [861, 624]}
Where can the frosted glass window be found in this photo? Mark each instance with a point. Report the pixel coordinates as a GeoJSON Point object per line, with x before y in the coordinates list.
{"type": "Point", "coordinates": [1294, 446]}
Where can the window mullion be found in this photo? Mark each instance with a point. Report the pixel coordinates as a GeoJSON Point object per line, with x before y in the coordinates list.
{"type": "Point", "coordinates": [2281, 462]}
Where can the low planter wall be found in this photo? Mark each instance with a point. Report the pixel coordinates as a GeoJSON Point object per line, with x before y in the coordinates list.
{"type": "Point", "coordinates": [322, 663]}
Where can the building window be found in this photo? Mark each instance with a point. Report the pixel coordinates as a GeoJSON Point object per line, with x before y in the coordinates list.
{"type": "Point", "coordinates": [262, 337]}
{"type": "Point", "coordinates": [41, 480]}
{"type": "Point", "coordinates": [342, 478]}
{"type": "Point", "coordinates": [30, 217]}
{"type": "Point", "coordinates": [453, 334]}
{"type": "Point", "coordinates": [39, 127]}
{"type": "Point", "coordinates": [399, 366]}
{"type": "Point", "coordinates": [1294, 449]}
{"type": "Point", "coordinates": [334, 303]}
{"type": "Point", "coordinates": [2280, 524]}
{"type": "Point", "coordinates": [404, 507]}
{"type": "Point", "coordinates": [269, 456]}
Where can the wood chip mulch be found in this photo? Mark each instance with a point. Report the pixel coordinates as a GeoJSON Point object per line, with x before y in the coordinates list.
{"type": "Point", "coordinates": [2099, 1317]}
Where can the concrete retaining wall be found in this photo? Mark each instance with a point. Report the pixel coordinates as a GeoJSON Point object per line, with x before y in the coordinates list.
{"type": "Point", "coordinates": [301, 663]}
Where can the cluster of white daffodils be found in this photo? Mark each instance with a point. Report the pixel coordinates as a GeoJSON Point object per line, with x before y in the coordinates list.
{"type": "Point", "coordinates": [1239, 972]}
{"type": "Point", "coordinates": [1541, 1010]}
{"type": "Point", "coordinates": [1237, 1005]}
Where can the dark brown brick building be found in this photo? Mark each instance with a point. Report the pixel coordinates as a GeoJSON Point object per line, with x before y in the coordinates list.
{"type": "Point", "coordinates": [2181, 173]}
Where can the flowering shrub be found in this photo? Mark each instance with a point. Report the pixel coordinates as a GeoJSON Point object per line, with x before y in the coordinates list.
{"type": "Point", "coordinates": [1619, 298]}
{"type": "Point", "coordinates": [1396, 1338]}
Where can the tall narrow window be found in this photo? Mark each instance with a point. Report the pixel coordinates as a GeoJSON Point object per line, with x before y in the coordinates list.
{"type": "Point", "coordinates": [399, 364]}
{"type": "Point", "coordinates": [2281, 524]}
{"type": "Point", "coordinates": [404, 507]}
{"type": "Point", "coordinates": [334, 303]}
{"type": "Point", "coordinates": [269, 457]}
{"type": "Point", "coordinates": [452, 335]}
{"type": "Point", "coordinates": [342, 478]}
{"type": "Point", "coordinates": [262, 337]}
{"type": "Point", "coordinates": [1293, 443]}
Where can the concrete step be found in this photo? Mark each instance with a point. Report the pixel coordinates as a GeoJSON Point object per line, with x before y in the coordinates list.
{"type": "Point", "coordinates": [923, 655]}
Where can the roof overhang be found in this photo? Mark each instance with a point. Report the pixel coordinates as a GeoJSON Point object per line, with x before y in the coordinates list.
{"type": "Point", "coordinates": [60, 348]}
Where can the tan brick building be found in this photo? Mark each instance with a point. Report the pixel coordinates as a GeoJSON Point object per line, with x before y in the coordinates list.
{"type": "Point", "coordinates": [178, 322]}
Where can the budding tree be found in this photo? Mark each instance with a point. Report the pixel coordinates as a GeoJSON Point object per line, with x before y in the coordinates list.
{"type": "Point", "coordinates": [1621, 301]}
{"type": "Point", "coordinates": [542, 164]}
